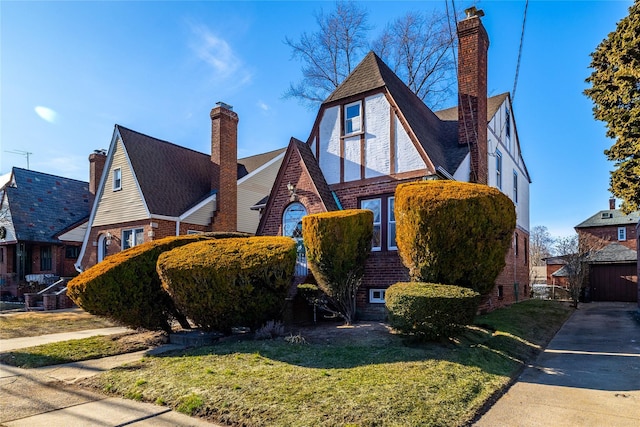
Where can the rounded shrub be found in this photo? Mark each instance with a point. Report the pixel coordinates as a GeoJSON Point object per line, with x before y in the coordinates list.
{"type": "Point", "coordinates": [219, 284]}
{"type": "Point", "coordinates": [337, 245]}
{"type": "Point", "coordinates": [428, 310]}
{"type": "Point", "coordinates": [453, 232]}
{"type": "Point", "coordinates": [126, 289]}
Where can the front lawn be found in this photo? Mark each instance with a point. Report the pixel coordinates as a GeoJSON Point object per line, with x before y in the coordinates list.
{"type": "Point", "coordinates": [31, 324]}
{"type": "Point", "coordinates": [386, 381]}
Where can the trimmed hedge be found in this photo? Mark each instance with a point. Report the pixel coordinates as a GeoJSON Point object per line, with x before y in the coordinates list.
{"type": "Point", "coordinates": [126, 289]}
{"type": "Point", "coordinates": [453, 232]}
{"type": "Point", "coordinates": [224, 283]}
{"type": "Point", "coordinates": [338, 244]}
{"type": "Point", "coordinates": [428, 310]}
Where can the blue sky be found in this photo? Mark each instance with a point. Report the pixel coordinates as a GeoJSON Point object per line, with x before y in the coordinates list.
{"type": "Point", "coordinates": [71, 70]}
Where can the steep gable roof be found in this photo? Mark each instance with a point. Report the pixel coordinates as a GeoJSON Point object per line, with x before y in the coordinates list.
{"type": "Point", "coordinates": [43, 205]}
{"type": "Point", "coordinates": [172, 178]}
{"type": "Point", "coordinates": [316, 175]}
{"type": "Point", "coordinates": [610, 217]}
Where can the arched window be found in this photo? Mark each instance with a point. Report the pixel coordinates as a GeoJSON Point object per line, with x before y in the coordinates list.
{"type": "Point", "coordinates": [292, 220]}
{"type": "Point", "coordinates": [102, 247]}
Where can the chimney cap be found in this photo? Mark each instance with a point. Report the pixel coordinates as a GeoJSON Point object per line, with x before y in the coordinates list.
{"type": "Point", "coordinates": [100, 151]}
{"type": "Point", "coordinates": [224, 105]}
{"type": "Point", "coordinates": [473, 11]}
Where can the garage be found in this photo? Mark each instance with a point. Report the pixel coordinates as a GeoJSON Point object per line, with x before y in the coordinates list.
{"type": "Point", "coordinates": [614, 282]}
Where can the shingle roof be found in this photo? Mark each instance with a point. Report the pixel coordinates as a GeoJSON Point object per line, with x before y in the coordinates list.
{"type": "Point", "coordinates": [252, 163]}
{"type": "Point", "coordinates": [315, 173]}
{"type": "Point", "coordinates": [614, 253]}
{"type": "Point", "coordinates": [42, 205]}
{"type": "Point", "coordinates": [610, 217]}
{"type": "Point", "coordinates": [493, 103]}
{"type": "Point", "coordinates": [438, 138]}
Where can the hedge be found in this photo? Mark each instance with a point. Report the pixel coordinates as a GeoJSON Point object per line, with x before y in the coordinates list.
{"type": "Point", "coordinates": [220, 284]}
{"type": "Point", "coordinates": [453, 232]}
{"type": "Point", "coordinates": [337, 245]}
{"type": "Point", "coordinates": [125, 287]}
{"type": "Point", "coordinates": [430, 311]}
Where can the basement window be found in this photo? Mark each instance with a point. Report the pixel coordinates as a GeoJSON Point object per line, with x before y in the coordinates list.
{"type": "Point", "coordinates": [376, 296]}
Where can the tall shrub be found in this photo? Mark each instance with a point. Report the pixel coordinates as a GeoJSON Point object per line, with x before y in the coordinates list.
{"type": "Point", "coordinates": [451, 232]}
{"type": "Point", "coordinates": [223, 283]}
{"type": "Point", "coordinates": [125, 287]}
{"type": "Point", "coordinates": [338, 244]}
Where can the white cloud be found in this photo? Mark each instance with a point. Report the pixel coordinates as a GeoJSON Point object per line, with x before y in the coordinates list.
{"type": "Point", "coordinates": [46, 114]}
{"type": "Point", "coordinates": [263, 106]}
{"type": "Point", "coordinates": [219, 55]}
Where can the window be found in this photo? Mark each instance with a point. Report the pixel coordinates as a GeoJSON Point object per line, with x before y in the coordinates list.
{"type": "Point", "coordinates": [117, 179]}
{"type": "Point", "coordinates": [353, 118]}
{"type": "Point", "coordinates": [131, 238]}
{"type": "Point", "coordinates": [1, 254]}
{"type": "Point", "coordinates": [526, 251]}
{"type": "Point", "coordinates": [499, 169]}
{"type": "Point", "coordinates": [384, 222]}
{"type": "Point", "coordinates": [515, 243]}
{"type": "Point", "coordinates": [292, 220]}
{"type": "Point", "coordinates": [507, 124]}
{"type": "Point", "coordinates": [500, 292]}
{"type": "Point", "coordinates": [515, 187]}
{"type": "Point", "coordinates": [375, 205]}
{"type": "Point", "coordinates": [391, 229]}
{"type": "Point", "coordinates": [622, 234]}
{"type": "Point", "coordinates": [45, 258]}
{"type": "Point", "coordinates": [72, 252]}
{"type": "Point", "coordinates": [376, 296]}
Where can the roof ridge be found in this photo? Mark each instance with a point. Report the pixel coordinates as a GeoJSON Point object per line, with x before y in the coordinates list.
{"type": "Point", "coordinates": [160, 140]}
{"type": "Point", "coordinates": [49, 174]}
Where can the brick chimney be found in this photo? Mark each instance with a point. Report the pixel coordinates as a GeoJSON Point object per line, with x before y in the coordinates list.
{"type": "Point", "coordinates": [97, 160]}
{"type": "Point", "coordinates": [612, 203]}
{"type": "Point", "coordinates": [224, 156]}
{"type": "Point", "coordinates": [472, 91]}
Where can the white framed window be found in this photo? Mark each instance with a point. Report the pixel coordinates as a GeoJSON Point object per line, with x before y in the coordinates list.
{"type": "Point", "coordinates": [376, 296]}
{"type": "Point", "coordinates": [499, 169]}
{"type": "Point", "coordinates": [375, 205]}
{"type": "Point", "coordinates": [622, 234]}
{"type": "Point", "coordinates": [515, 187]}
{"type": "Point", "coordinates": [292, 220]}
{"type": "Point", "coordinates": [353, 118]}
{"type": "Point", "coordinates": [391, 224]}
{"type": "Point", "coordinates": [117, 179]}
{"type": "Point", "coordinates": [131, 238]}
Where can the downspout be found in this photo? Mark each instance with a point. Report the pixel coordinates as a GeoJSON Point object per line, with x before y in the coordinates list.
{"type": "Point", "coordinates": [178, 227]}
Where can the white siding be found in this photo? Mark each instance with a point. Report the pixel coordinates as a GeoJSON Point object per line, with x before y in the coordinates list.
{"type": "Point", "coordinates": [352, 158]}
{"type": "Point", "coordinates": [253, 189]}
{"type": "Point", "coordinates": [75, 234]}
{"type": "Point", "coordinates": [202, 216]}
{"type": "Point", "coordinates": [377, 141]}
{"type": "Point", "coordinates": [463, 171]}
{"type": "Point", "coordinates": [330, 145]}
{"type": "Point", "coordinates": [407, 156]}
{"type": "Point", "coordinates": [126, 204]}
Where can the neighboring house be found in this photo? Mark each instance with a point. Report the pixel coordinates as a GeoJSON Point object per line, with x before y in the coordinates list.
{"type": "Point", "coordinates": [372, 133]}
{"type": "Point", "coordinates": [37, 214]}
{"type": "Point", "coordinates": [613, 270]}
{"type": "Point", "coordinates": [148, 189]}
{"type": "Point", "coordinates": [556, 271]}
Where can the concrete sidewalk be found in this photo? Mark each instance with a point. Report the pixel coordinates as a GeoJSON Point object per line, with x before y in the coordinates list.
{"type": "Point", "coordinates": [589, 375]}
{"type": "Point", "coordinates": [47, 397]}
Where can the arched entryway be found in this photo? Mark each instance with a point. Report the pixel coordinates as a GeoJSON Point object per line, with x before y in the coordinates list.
{"type": "Point", "coordinates": [292, 227]}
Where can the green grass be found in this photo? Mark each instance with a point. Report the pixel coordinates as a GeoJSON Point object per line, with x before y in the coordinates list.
{"type": "Point", "coordinates": [31, 324]}
{"type": "Point", "coordinates": [391, 382]}
{"type": "Point", "coordinates": [71, 351]}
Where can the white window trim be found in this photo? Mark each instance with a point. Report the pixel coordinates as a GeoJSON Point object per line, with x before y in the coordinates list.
{"type": "Point", "coordinates": [389, 222]}
{"type": "Point", "coordinates": [622, 234]}
{"type": "Point", "coordinates": [499, 169]}
{"type": "Point", "coordinates": [375, 248]}
{"type": "Point", "coordinates": [133, 233]}
{"type": "Point", "coordinates": [377, 299]}
{"type": "Point", "coordinates": [117, 184]}
{"type": "Point", "coordinates": [359, 118]}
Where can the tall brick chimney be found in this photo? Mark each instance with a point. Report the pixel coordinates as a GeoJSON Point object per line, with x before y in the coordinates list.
{"type": "Point", "coordinates": [97, 160]}
{"type": "Point", "coordinates": [472, 91]}
{"type": "Point", "coordinates": [612, 203]}
{"type": "Point", "coordinates": [224, 156]}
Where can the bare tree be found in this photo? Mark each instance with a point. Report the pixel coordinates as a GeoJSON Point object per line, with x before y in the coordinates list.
{"type": "Point", "coordinates": [576, 252]}
{"type": "Point", "coordinates": [540, 245]}
{"type": "Point", "coordinates": [417, 48]}
{"type": "Point", "coordinates": [329, 54]}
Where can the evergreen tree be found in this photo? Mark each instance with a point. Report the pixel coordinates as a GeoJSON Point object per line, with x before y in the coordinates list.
{"type": "Point", "coordinates": [615, 92]}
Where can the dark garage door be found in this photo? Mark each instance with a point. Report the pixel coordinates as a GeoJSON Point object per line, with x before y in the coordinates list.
{"type": "Point", "coordinates": [614, 282]}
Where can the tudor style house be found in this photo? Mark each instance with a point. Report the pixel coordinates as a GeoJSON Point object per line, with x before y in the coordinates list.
{"type": "Point", "coordinates": [613, 274]}
{"type": "Point", "coordinates": [372, 133]}
{"type": "Point", "coordinates": [148, 189]}
{"type": "Point", "coordinates": [36, 218]}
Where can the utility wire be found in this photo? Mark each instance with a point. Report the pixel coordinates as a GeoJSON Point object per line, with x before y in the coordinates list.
{"type": "Point", "coordinates": [515, 82]}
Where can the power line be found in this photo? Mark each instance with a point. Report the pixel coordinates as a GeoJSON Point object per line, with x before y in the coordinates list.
{"type": "Point", "coordinates": [515, 82]}
{"type": "Point", "coordinates": [22, 153]}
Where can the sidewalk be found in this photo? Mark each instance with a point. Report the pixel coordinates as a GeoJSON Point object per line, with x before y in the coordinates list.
{"type": "Point", "coordinates": [589, 375]}
{"type": "Point", "coordinates": [47, 397]}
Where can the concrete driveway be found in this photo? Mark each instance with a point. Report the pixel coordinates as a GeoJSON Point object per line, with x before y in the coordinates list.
{"type": "Point", "coordinates": [589, 375]}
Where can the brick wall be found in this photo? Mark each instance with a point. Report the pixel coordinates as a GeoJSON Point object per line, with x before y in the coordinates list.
{"type": "Point", "coordinates": [224, 155]}
{"type": "Point", "coordinates": [610, 234]}
{"type": "Point", "coordinates": [96, 166]}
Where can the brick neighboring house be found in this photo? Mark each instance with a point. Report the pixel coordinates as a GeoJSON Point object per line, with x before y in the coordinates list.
{"type": "Point", "coordinates": [372, 133]}
{"type": "Point", "coordinates": [39, 212]}
{"type": "Point", "coordinates": [148, 189]}
{"type": "Point", "coordinates": [613, 270]}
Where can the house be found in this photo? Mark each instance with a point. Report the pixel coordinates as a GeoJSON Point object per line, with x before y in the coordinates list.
{"type": "Point", "coordinates": [38, 211]}
{"type": "Point", "coordinates": [372, 133]}
{"type": "Point", "coordinates": [613, 274]}
{"type": "Point", "coordinates": [147, 188]}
